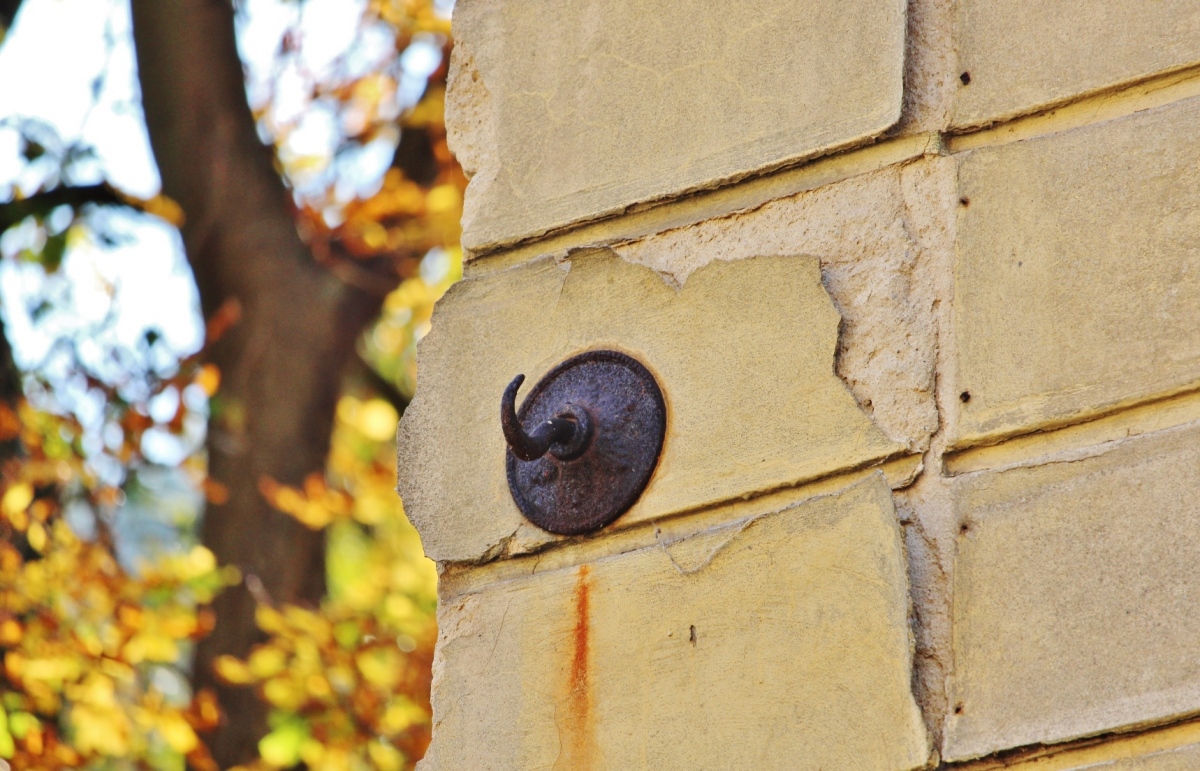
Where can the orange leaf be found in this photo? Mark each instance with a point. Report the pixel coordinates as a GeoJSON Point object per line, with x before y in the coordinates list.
{"type": "Point", "coordinates": [220, 322]}
{"type": "Point", "coordinates": [215, 492]}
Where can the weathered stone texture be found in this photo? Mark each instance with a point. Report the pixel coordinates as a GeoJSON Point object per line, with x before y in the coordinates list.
{"type": "Point", "coordinates": [885, 242]}
{"type": "Point", "coordinates": [930, 67]}
{"type": "Point", "coordinates": [1075, 594]}
{"type": "Point", "coordinates": [1009, 314]}
{"type": "Point", "coordinates": [743, 352]}
{"type": "Point", "coordinates": [1023, 55]}
{"type": "Point", "coordinates": [779, 642]}
{"type": "Point", "coordinates": [1078, 274]}
{"type": "Point", "coordinates": [563, 112]}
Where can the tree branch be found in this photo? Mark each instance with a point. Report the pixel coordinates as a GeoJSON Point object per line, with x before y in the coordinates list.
{"type": "Point", "coordinates": [41, 204]}
{"type": "Point", "coordinates": [8, 12]}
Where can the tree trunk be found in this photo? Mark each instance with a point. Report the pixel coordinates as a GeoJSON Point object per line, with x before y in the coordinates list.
{"type": "Point", "coordinates": [281, 362]}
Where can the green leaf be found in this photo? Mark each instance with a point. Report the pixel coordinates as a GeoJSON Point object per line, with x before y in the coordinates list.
{"type": "Point", "coordinates": [7, 746]}
{"type": "Point", "coordinates": [21, 723]}
{"type": "Point", "coordinates": [32, 150]}
{"type": "Point", "coordinates": [281, 747]}
{"type": "Point", "coordinates": [53, 251]}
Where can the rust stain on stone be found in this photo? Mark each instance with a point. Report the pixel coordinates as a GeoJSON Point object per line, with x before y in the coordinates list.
{"type": "Point", "coordinates": [579, 737]}
{"type": "Point", "coordinates": [579, 662]}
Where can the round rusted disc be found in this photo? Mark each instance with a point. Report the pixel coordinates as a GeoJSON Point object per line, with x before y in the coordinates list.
{"type": "Point", "coordinates": [629, 420]}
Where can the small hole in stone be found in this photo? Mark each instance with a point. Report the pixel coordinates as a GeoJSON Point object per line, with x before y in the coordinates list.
{"type": "Point", "coordinates": [958, 708]}
{"type": "Point", "coordinates": [965, 78]}
{"type": "Point", "coordinates": [964, 527]}
{"type": "Point", "coordinates": [964, 397]}
{"type": "Point", "coordinates": [964, 201]}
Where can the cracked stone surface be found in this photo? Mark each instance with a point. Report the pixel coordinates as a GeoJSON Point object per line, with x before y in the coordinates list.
{"type": "Point", "coordinates": [564, 112]}
{"type": "Point", "coordinates": [1024, 55]}
{"type": "Point", "coordinates": [885, 240]}
{"type": "Point", "coordinates": [780, 642]}
{"type": "Point", "coordinates": [743, 351]}
{"type": "Point", "coordinates": [1076, 583]}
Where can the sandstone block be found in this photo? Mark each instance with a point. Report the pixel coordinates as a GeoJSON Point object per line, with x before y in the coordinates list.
{"type": "Point", "coordinates": [777, 642]}
{"type": "Point", "coordinates": [1024, 55]}
{"type": "Point", "coordinates": [564, 112]}
{"type": "Point", "coordinates": [743, 352]}
{"type": "Point", "coordinates": [1077, 284]}
{"type": "Point", "coordinates": [1075, 589]}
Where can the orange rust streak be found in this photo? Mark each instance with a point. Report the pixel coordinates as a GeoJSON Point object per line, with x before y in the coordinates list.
{"type": "Point", "coordinates": [579, 663]}
{"type": "Point", "coordinates": [579, 749]}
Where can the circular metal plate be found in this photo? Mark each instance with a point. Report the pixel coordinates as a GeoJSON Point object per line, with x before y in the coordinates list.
{"type": "Point", "coordinates": [629, 417]}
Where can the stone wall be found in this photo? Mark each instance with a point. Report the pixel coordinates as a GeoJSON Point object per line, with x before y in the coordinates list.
{"type": "Point", "coordinates": [921, 285]}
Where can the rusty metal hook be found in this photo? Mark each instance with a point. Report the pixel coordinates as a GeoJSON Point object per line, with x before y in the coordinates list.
{"type": "Point", "coordinates": [585, 443]}
{"type": "Point", "coordinates": [565, 436]}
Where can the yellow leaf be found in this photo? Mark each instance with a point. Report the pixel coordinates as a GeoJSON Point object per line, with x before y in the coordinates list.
{"type": "Point", "coordinates": [284, 694]}
{"type": "Point", "coordinates": [36, 535]}
{"type": "Point", "coordinates": [163, 207]}
{"type": "Point", "coordinates": [178, 623]}
{"type": "Point", "coordinates": [96, 689]}
{"type": "Point", "coordinates": [201, 561]}
{"type": "Point", "coordinates": [209, 379]}
{"type": "Point", "coordinates": [281, 747]}
{"type": "Point", "coordinates": [374, 235]}
{"type": "Point", "coordinates": [312, 624]}
{"type": "Point", "coordinates": [17, 498]}
{"type": "Point", "coordinates": [7, 746]}
{"type": "Point", "coordinates": [178, 735]}
{"type": "Point", "coordinates": [380, 666]}
{"type": "Point", "coordinates": [341, 679]}
{"type": "Point", "coordinates": [385, 757]}
{"type": "Point", "coordinates": [372, 509]}
{"type": "Point", "coordinates": [10, 633]}
{"type": "Point", "coordinates": [312, 752]}
{"type": "Point", "coordinates": [269, 620]}
{"type": "Point", "coordinates": [318, 687]}
{"type": "Point", "coordinates": [400, 714]}
{"type": "Point", "coordinates": [105, 732]}
{"type": "Point", "coordinates": [53, 669]}
{"type": "Point", "coordinates": [21, 723]}
{"type": "Point", "coordinates": [443, 198]}
{"type": "Point", "coordinates": [377, 420]}
{"type": "Point", "coordinates": [151, 647]}
{"type": "Point", "coordinates": [400, 608]}
{"type": "Point", "coordinates": [232, 670]}
{"type": "Point", "coordinates": [266, 661]}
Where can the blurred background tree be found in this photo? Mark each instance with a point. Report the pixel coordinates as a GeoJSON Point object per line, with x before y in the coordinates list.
{"type": "Point", "coordinates": [301, 156]}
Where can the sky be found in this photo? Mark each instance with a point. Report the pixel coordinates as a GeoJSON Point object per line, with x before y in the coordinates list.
{"type": "Point", "coordinates": [68, 74]}
{"type": "Point", "coordinates": [48, 64]}
{"type": "Point", "coordinates": [58, 51]}
{"type": "Point", "coordinates": [57, 56]}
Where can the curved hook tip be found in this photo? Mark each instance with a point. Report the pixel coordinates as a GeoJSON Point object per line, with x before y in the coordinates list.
{"type": "Point", "coordinates": [564, 429]}
{"type": "Point", "coordinates": [514, 434]}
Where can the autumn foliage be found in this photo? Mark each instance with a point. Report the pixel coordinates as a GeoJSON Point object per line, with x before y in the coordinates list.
{"type": "Point", "coordinates": [349, 682]}
{"type": "Point", "coordinates": [93, 652]}
{"type": "Point", "coordinates": [95, 637]}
